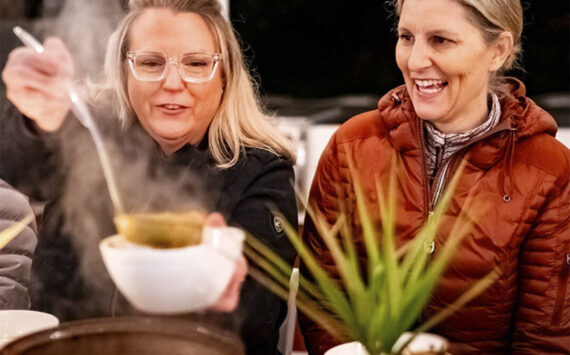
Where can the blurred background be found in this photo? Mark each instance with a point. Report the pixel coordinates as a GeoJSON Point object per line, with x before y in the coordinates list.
{"type": "Point", "coordinates": [317, 62]}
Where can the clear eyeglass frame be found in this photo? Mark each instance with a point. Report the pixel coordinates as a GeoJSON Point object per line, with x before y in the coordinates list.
{"type": "Point", "coordinates": [132, 55]}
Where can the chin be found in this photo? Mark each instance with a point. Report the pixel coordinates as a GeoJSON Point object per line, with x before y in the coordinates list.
{"type": "Point", "coordinates": [428, 113]}
{"type": "Point", "coordinates": [170, 131]}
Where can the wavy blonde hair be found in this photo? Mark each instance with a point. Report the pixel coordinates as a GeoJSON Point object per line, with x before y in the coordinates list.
{"type": "Point", "coordinates": [239, 123]}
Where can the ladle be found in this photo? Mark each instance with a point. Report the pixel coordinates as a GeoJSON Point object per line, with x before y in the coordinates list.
{"type": "Point", "coordinates": [161, 230]}
{"type": "Point", "coordinates": [83, 115]}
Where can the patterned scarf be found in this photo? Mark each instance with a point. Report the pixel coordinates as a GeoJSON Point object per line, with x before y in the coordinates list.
{"type": "Point", "coordinates": [441, 146]}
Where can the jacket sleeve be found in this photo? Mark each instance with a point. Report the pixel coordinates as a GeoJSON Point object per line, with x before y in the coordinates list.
{"type": "Point", "coordinates": [28, 156]}
{"type": "Point", "coordinates": [323, 198]}
{"type": "Point", "coordinates": [16, 256]}
{"type": "Point", "coordinates": [542, 323]}
{"type": "Point", "coordinates": [266, 183]}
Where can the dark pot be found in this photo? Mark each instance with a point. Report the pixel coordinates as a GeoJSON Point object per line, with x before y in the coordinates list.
{"type": "Point", "coordinates": [129, 336]}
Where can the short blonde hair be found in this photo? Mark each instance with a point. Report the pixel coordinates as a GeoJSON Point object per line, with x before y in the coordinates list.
{"type": "Point", "coordinates": [238, 123]}
{"type": "Point", "coordinates": [492, 17]}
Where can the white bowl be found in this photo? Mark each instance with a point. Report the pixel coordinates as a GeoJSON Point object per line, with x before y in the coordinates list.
{"type": "Point", "coordinates": [353, 348]}
{"type": "Point", "coordinates": [17, 323]}
{"type": "Point", "coordinates": [177, 280]}
{"type": "Point", "coordinates": [423, 343]}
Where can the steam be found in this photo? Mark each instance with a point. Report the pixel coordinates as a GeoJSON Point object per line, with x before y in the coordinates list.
{"type": "Point", "coordinates": [147, 181]}
{"type": "Point", "coordinates": [84, 26]}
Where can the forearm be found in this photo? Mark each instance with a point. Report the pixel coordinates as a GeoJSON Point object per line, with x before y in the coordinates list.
{"type": "Point", "coordinates": [28, 158]}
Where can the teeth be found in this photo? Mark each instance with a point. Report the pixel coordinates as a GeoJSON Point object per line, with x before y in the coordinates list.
{"type": "Point", "coordinates": [172, 106]}
{"type": "Point", "coordinates": [424, 83]}
{"type": "Point", "coordinates": [430, 86]}
{"type": "Point", "coordinates": [430, 91]}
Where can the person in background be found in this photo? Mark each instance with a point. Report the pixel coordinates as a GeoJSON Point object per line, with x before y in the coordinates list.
{"type": "Point", "coordinates": [16, 256]}
{"type": "Point", "coordinates": [456, 107]}
{"type": "Point", "coordinates": [175, 77]}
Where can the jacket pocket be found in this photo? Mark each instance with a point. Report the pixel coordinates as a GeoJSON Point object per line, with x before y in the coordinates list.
{"type": "Point", "coordinates": [561, 291]}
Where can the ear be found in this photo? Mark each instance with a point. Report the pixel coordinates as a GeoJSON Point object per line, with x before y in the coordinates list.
{"type": "Point", "coordinates": [502, 48]}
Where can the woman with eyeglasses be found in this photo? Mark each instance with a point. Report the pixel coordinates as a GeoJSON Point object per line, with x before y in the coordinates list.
{"type": "Point", "coordinates": [174, 70]}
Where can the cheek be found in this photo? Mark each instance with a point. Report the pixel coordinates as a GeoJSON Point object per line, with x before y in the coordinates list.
{"type": "Point", "coordinates": [132, 93]}
{"type": "Point", "coordinates": [137, 96]}
{"type": "Point", "coordinates": [211, 96]}
{"type": "Point", "coordinates": [472, 75]}
{"type": "Point", "coordinates": [470, 64]}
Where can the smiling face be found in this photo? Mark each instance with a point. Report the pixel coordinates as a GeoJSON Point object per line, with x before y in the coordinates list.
{"type": "Point", "coordinates": [445, 63]}
{"type": "Point", "coordinates": [172, 111]}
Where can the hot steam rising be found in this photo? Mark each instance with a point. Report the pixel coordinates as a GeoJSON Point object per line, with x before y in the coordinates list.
{"type": "Point", "coordinates": [69, 275]}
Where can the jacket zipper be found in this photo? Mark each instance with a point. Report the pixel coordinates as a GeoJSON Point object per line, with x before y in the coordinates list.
{"type": "Point", "coordinates": [427, 210]}
{"type": "Point", "coordinates": [442, 177]}
{"type": "Point", "coordinates": [561, 291]}
{"type": "Point", "coordinates": [439, 187]}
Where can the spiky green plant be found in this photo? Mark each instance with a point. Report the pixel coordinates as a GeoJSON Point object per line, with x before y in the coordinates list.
{"type": "Point", "coordinates": [374, 310]}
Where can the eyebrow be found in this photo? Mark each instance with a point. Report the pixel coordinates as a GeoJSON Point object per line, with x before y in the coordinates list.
{"type": "Point", "coordinates": [436, 32]}
{"type": "Point", "coordinates": [444, 33]}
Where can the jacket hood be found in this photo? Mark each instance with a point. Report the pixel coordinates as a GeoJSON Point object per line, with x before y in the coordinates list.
{"type": "Point", "coordinates": [525, 115]}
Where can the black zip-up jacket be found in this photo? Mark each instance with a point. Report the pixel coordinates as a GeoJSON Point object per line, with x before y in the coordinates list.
{"type": "Point", "coordinates": [69, 278]}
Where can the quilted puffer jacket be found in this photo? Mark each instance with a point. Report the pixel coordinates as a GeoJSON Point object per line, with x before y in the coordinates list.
{"type": "Point", "coordinates": [16, 256]}
{"type": "Point", "coordinates": [518, 175]}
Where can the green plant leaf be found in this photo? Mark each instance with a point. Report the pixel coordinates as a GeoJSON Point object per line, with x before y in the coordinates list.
{"type": "Point", "coordinates": [329, 287]}
{"type": "Point", "coordinates": [378, 307]}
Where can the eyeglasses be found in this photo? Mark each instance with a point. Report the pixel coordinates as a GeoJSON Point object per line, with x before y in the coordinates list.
{"type": "Point", "coordinates": [193, 67]}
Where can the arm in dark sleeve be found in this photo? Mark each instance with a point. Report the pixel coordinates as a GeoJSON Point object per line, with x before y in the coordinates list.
{"type": "Point", "coordinates": [28, 156]}
{"type": "Point", "coordinates": [267, 184]}
{"type": "Point", "coordinates": [16, 256]}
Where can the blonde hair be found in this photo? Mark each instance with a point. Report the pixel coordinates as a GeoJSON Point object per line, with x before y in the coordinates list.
{"type": "Point", "coordinates": [238, 123]}
{"type": "Point", "coordinates": [492, 17]}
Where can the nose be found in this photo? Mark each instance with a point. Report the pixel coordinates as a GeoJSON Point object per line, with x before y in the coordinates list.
{"type": "Point", "coordinates": [173, 80]}
{"type": "Point", "coordinates": [419, 57]}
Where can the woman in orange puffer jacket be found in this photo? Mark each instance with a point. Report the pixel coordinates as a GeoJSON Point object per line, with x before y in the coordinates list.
{"type": "Point", "coordinates": [455, 107]}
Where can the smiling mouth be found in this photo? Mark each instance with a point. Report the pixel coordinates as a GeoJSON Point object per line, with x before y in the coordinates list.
{"type": "Point", "coordinates": [430, 86]}
{"type": "Point", "coordinates": [172, 107]}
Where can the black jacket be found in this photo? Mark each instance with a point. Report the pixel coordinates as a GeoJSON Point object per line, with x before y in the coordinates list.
{"type": "Point", "coordinates": [70, 280]}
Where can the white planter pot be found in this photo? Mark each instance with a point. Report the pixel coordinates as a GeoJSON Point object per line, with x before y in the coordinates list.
{"type": "Point", "coordinates": [423, 343]}
{"type": "Point", "coordinates": [354, 348]}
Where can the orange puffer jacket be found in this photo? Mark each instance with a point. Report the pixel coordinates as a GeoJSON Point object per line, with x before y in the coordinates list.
{"type": "Point", "coordinates": [521, 174]}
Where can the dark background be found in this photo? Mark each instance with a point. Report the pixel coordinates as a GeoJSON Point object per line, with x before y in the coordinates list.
{"type": "Point", "coordinates": [324, 48]}
{"type": "Point", "coordinates": [315, 49]}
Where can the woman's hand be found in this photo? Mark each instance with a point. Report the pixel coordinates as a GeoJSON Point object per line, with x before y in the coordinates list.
{"type": "Point", "coordinates": [38, 83]}
{"type": "Point", "coordinates": [230, 298]}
